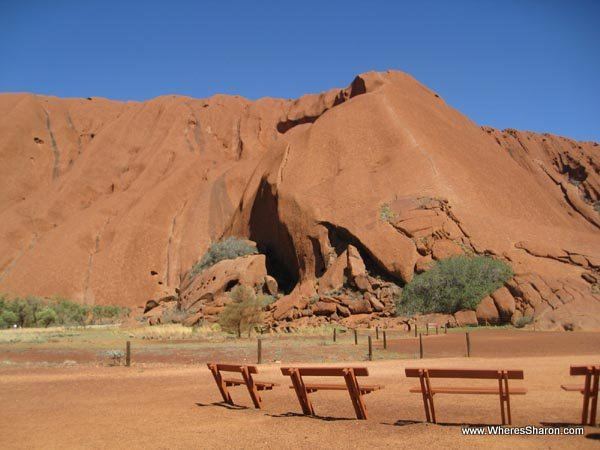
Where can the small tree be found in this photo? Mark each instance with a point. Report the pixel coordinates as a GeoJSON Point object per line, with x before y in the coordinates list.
{"type": "Point", "coordinates": [8, 318]}
{"type": "Point", "coordinates": [243, 313]}
{"type": "Point", "coordinates": [46, 317]}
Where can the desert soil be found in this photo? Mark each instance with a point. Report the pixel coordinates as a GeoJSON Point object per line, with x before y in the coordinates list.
{"type": "Point", "coordinates": [176, 405]}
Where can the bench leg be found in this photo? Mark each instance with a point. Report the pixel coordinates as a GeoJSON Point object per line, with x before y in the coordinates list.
{"type": "Point", "coordinates": [430, 396]}
{"type": "Point", "coordinates": [355, 395]}
{"type": "Point", "coordinates": [502, 397]}
{"type": "Point", "coordinates": [301, 393]}
{"type": "Point", "coordinates": [586, 398]}
{"type": "Point", "coordinates": [507, 398]}
{"type": "Point", "coordinates": [594, 405]}
{"type": "Point", "coordinates": [427, 397]}
{"type": "Point", "coordinates": [254, 395]}
{"type": "Point", "coordinates": [221, 384]}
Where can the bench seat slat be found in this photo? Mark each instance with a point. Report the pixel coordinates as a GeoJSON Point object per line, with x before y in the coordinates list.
{"type": "Point", "coordinates": [325, 371]}
{"type": "Point", "coordinates": [365, 389]}
{"type": "Point", "coordinates": [573, 388]}
{"type": "Point", "coordinates": [488, 374]}
{"type": "Point", "coordinates": [260, 385]}
{"type": "Point", "coordinates": [235, 368]}
{"type": "Point", "coordinates": [470, 390]}
{"type": "Point", "coordinates": [582, 370]}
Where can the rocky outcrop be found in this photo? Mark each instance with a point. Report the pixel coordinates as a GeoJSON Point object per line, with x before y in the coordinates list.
{"type": "Point", "coordinates": [344, 290]}
{"type": "Point", "coordinates": [111, 202]}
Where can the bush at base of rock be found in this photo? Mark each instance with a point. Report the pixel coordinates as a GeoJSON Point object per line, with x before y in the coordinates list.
{"type": "Point", "coordinates": [243, 313]}
{"type": "Point", "coordinates": [453, 284]}
{"type": "Point", "coordinates": [522, 321]}
{"type": "Point", "coordinates": [40, 312]}
{"type": "Point", "coordinates": [229, 248]}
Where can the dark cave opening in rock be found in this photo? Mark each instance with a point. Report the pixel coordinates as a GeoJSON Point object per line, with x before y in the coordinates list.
{"type": "Point", "coordinates": [273, 239]}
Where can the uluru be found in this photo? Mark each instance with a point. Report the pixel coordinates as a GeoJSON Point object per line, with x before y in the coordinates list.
{"type": "Point", "coordinates": [354, 190]}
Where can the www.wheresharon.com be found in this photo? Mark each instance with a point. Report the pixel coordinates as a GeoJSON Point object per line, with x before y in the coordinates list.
{"type": "Point", "coordinates": [497, 430]}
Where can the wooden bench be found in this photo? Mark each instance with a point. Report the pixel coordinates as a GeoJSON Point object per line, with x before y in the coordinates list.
{"type": "Point", "coordinates": [589, 389]}
{"type": "Point", "coordinates": [351, 385]}
{"type": "Point", "coordinates": [246, 371]}
{"type": "Point", "coordinates": [502, 390]}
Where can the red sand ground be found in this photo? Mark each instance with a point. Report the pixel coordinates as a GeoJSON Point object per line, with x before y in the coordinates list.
{"type": "Point", "coordinates": [175, 407]}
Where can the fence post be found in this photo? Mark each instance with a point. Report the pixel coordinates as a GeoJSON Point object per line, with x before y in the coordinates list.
{"type": "Point", "coordinates": [415, 329]}
{"type": "Point", "coordinates": [370, 349]}
{"type": "Point", "coordinates": [128, 354]}
{"type": "Point", "coordinates": [259, 350]}
{"type": "Point", "coordinates": [355, 337]}
{"type": "Point", "coordinates": [377, 332]}
{"type": "Point", "coordinates": [334, 336]}
{"type": "Point", "coordinates": [437, 329]}
{"type": "Point", "coordinates": [384, 341]}
{"type": "Point", "coordinates": [420, 345]}
{"type": "Point", "coordinates": [445, 329]}
{"type": "Point", "coordinates": [468, 344]}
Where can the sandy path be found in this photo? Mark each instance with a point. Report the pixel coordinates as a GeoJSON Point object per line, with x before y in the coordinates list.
{"type": "Point", "coordinates": [172, 407]}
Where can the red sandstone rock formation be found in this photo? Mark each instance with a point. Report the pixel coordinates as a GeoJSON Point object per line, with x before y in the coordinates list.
{"type": "Point", "coordinates": [111, 202]}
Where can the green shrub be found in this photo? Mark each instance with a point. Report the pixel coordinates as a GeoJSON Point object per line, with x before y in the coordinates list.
{"type": "Point", "coordinates": [243, 313]}
{"type": "Point", "coordinates": [39, 312]}
{"type": "Point", "coordinates": [266, 300]}
{"type": "Point", "coordinates": [230, 248]}
{"type": "Point", "coordinates": [452, 285]}
{"type": "Point", "coordinates": [522, 321]}
{"type": "Point", "coordinates": [385, 213]}
{"type": "Point", "coordinates": [7, 318]}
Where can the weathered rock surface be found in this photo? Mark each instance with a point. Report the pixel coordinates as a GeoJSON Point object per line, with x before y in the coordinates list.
{"type": "Point", "coordinates": [113, 202]}
{"type": "Point", "coordinates": [222, 277]}
{"type": "Point", "coordinates": [505, 303]}
{"type": "Point", "coordinates": [487, 313]}
{"type": "Point", "coordinates": [466, 318]}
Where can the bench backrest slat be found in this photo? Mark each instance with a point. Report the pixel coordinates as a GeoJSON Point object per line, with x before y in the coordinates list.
{"type": "Point", "coordinates": [326, 371]}
{"type": "Point", "coordinates": [235, 368]}
{"type": "Point", "coordinates": [583, 370]}
{"type": "Point", "coordinates": [484, 374]}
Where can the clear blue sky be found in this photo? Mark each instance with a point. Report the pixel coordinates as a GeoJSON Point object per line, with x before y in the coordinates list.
{"type": "Point", "coordinates": [531, 65]}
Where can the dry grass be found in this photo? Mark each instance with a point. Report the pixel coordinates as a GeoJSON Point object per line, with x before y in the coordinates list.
{"type": "Point", "coordinates": [175, 331]}
{"type": "Point", "coordinates": [33, 335]}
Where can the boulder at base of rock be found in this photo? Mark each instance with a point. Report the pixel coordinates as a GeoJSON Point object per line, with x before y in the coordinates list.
{"type": "Point", "coordinates": [356, 320]}
{"type": "Point", "coordinates": [333, 278]}
{"type": "Point", "coordinates": [192, 320]}
{"type": "Point", "coordinates": [505, 303]}
{"type": "Point", "coordinates": [516, 316]}
{"type": "Point", "coordinates": [466, 318]}
{"type": "Point", "coordinates": [284, 307]}
{"type": "Point", "coordinates": [439, 319]}
{"type": "Point", "coordinates": [423, 264]}
{"type": "Point", "coordinates": [246, 270]}
{"type": "Point", "coordinates": [270, 286]}
{"type": "Point", "coordinates": [362, 283]}
{"type": "Point", "coordinates": [359, 306]}
{"type": "Point", "coordinates": [487, 313]}
{"type": "Point", "coordinates": [343, 311]}
{"type": "Point", "coordinates": [356, 266]}
{"type": "Point", "coordinates": [375, 303]}
{"type": "Point", "coordinates": [324, 308]}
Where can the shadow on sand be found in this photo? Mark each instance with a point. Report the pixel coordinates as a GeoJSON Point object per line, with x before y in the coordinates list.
{"type": "Point", "coordinates": [325, 418]}
{"type": "Point", "coordinates": [223, 405]}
